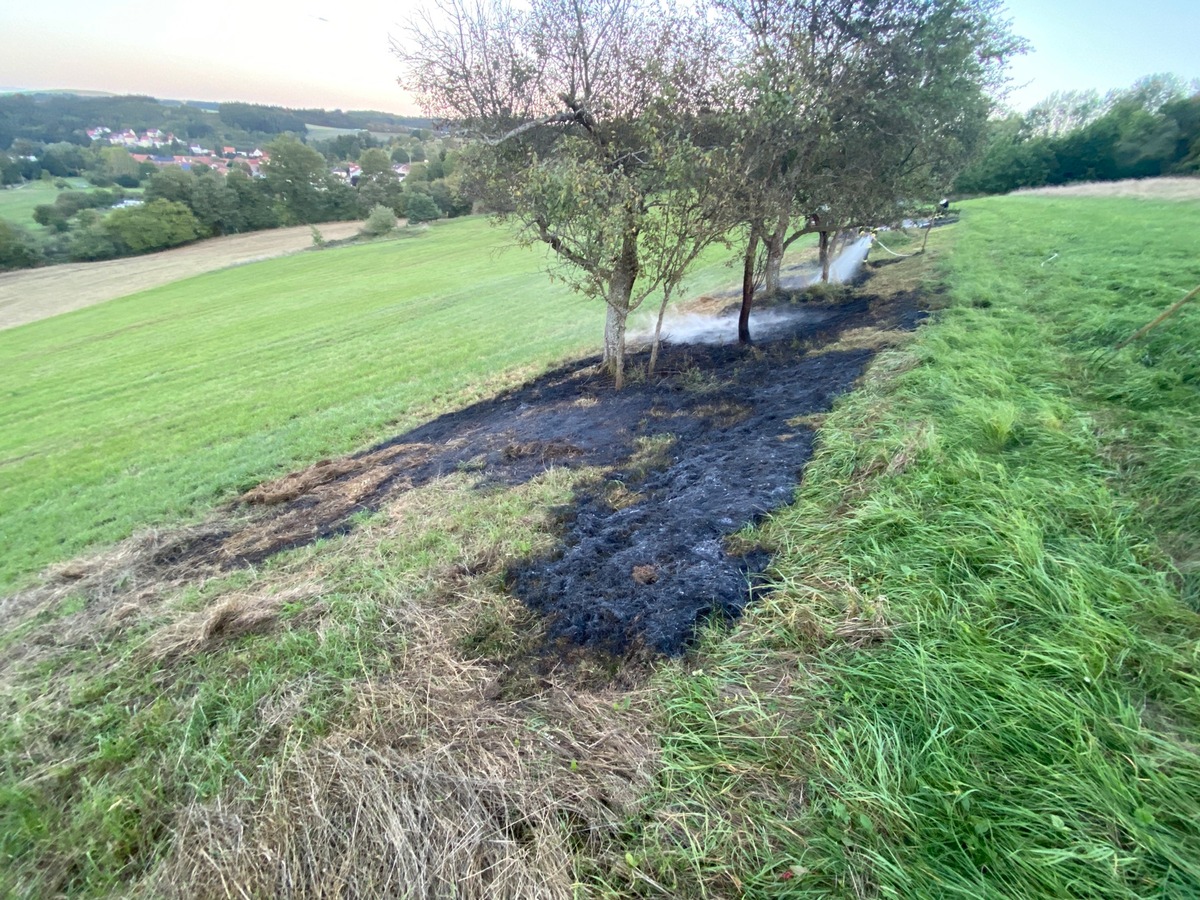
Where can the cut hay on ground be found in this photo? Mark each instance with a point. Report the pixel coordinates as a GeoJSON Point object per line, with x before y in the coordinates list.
{"type": "Point", "coordinates": [33, 294]}
{"type": "Point", "coordinates": [1142, 188]}
{"type": "Point", "coordinates": [432, 783]}
{"type": "Point", "coordinates": [435, 792]}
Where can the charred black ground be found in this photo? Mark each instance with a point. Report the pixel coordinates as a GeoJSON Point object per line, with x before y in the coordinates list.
{"type": "Point", "coordinates": [647, 571]}
{"type": "Point", "coordinates": [711, 443]}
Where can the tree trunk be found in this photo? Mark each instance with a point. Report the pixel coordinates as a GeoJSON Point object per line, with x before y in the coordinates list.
{"type": "Point", "coordinates": [620, 288]}
{"type": "Point", "coordinates": [614, 331]}
{"type": "Point", "coordinates": [824, 247]}
{"type": "Point", "coordinates": [662, 311]}
{"type": "Point", "coordinates": [747, 289]}
{"type": "Point", "coordinates": [775, 241]}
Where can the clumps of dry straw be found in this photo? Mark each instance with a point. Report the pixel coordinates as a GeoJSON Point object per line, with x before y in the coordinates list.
{"type": "Point", "coordinates": [433, 793]}
{"type": "Point", "coordinates": [232, 616]}
{"type": "Point", "coordinates": [449, 774]}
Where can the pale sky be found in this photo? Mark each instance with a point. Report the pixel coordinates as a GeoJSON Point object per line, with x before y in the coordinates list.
{"type": "Point", "coordinates": [318, 53]}
{"type": "Point", "coordinates": [1101, 44]}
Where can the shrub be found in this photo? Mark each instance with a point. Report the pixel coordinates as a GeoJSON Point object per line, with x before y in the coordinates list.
{"type": "Point", "coordinates": [16, 250]}
{"type": "Point", "coordinates": [380, 221]}
{"type": "Point", "coordinates": [155, 226]}
{"type": "Point", "coordinates": [419, 207]}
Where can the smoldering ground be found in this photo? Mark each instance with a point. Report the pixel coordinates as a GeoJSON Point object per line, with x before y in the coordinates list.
{"type": "Point", "coordinates": [686, 458]}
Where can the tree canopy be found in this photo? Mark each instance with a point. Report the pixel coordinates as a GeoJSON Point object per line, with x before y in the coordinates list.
{"type": "Point", "coordinates": [585, 114]}
{"type": "Point", "coordinates": [850, 112]}
{"type": "Point", "coordinates": [626, 135]}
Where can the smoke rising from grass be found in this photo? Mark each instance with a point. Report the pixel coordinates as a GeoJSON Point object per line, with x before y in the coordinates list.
{"type": "Point", "coordinates": [721, 328]}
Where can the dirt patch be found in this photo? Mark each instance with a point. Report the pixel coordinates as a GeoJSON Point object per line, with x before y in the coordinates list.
{"type": "Point", "coordinates": [1141, 188]}
{"type": "Point", "coordinates": [713, 442]}
{"type": "Point", "coordinates": [33, 294]}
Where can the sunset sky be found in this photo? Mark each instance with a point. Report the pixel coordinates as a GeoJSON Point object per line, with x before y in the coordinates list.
{"type": "Point", "coordinates": [314, 53]}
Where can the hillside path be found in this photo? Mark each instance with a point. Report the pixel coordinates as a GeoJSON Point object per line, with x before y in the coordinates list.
{"type": "Point", "coordinates": [32, 294]}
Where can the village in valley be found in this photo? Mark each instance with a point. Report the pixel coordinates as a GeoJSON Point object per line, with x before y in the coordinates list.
{"type": "Point", "coordinates": [160, 150]}
{"type": "Point", "coordinates": [93, 178]}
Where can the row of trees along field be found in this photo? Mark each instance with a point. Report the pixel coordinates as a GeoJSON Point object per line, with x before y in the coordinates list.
{"type": "Point", "coordinates": [628, 135]}
{"type": "Point", "coordinates": [1150, 129]}
{"type": "Point", "coordinates": [181, 205]}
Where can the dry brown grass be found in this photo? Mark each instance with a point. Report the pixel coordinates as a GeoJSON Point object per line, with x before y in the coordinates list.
{"type": "Point", "coordinates": [233, 615]}
{"type": "Point", "coordinates": [132, 576]}
{"type": "Point", "coordinates": [822, 612]}
{"type": "Point", "coordinates": [1175, 188]}
{"type": "Point", "coordinates": [471, 769]}
{"type": "Point", "coordinates": [432, 791]}
{"type": "Point", "coordinates": [868, 338]}
{"type": "Point", "coordinates": [327, 471]}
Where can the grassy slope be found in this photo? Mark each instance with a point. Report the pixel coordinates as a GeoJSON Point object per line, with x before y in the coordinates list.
{"type": "Point", "coordinates": [121, 728]}
{"type": "Point", "coordinates": [150, 408]}
{"type": "Point", "coordinates": [978, 678]}
{"type": "Point", "coordinates": [17, 204]}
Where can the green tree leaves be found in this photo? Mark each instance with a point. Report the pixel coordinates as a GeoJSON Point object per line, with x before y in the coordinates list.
{"type": "Point", "coordinates": [154, 226]}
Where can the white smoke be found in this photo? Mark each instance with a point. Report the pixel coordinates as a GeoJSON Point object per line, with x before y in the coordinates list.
{"type": "Point", "coordinates": [846, 266]}
{"type": "Point", "coordinates": [701, 328]}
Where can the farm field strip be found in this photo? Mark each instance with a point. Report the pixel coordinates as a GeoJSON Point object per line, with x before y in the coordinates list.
{"type": "Point", "coordinates": [32, 294]}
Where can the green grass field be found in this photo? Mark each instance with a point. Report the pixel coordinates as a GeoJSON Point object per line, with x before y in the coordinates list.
{"type": "Point", "coordinates": [977, 678]}
{"type": "Point", "coordinates": [151, 408]}
{"type": "Point", "coordinates": [329, 132]}
{"type": "Point", "coordinates": [17, 203]}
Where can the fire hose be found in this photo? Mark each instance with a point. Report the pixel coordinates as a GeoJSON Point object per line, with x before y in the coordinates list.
{"type": "Point", "coordinates": [893, 252]}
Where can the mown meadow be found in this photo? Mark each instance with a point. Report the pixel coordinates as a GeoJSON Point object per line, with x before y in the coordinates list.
{"type": "Point", "coordinates": [976, 675]}
{"type": "Point", "coordinates": [151, 408]}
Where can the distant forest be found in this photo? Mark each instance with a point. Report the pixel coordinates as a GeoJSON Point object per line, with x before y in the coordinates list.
{"type": "Point", "coordinates": [1147, 130]}
{"type": "Point", "coordinates": [49, 118]}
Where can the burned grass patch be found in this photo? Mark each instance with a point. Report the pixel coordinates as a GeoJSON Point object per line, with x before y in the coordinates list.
{"type": "Point", "coordinates": [384, 710]}
{"type": "Point", "coordinates": [712, 442]}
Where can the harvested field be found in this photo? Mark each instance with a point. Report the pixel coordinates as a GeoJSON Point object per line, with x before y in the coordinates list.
{"type": "Point", "coordinates": [1141, 188]}
{"type": "Point", "coordinates": [33, 294]}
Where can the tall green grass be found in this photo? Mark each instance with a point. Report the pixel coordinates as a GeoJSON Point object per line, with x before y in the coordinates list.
{"type": "Point", "coordinates": [979, 675]}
